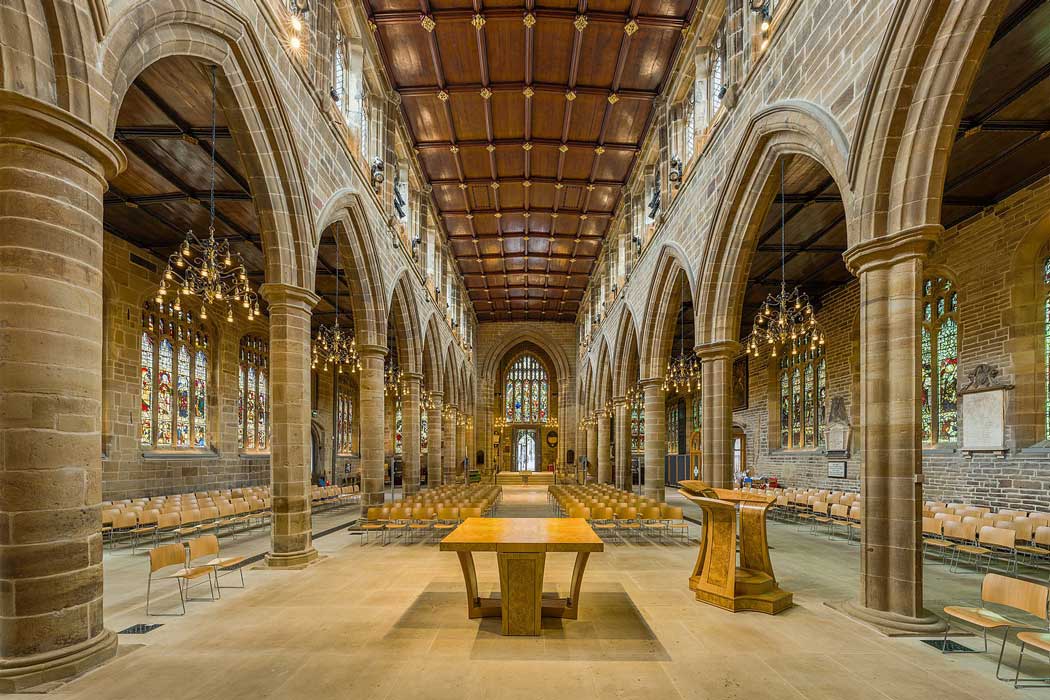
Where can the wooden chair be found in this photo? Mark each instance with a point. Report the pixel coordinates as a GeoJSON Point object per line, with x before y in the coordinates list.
{"type": "Point", "coordinates": [990, 541]}
{"type": "Point", "coordinates": [674, 518]}
{"type": "Point", "coordinates": [375, 522]}
{"type": "Point", "coordinates": [821, 515]}
{"type": "Point", "coordinates": [124, 523]}
{"type": "Point", "coordinates": [652, 521]}
{"type": "Point", "coordinates": [207, 547]}
{"type": "Point", "coordinates": [148, 520]}
{"type": "Point", "coordinates": [190, 522]}
{"type": "Point", "coordinates": [165, 557]}
{"type": "Point", "coordinates": [1008, 592]}
{"type": "Point", "coordinates": [839, 514]}
{"type": "Point", "coordinates": [1040, 546]}
{"type": "Point", "coordinates": [602, 521]}
{"type": "Point", "coordinates": [421, 522]}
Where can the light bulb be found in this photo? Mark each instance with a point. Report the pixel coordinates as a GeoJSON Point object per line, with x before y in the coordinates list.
{"type": "Point", "coordinates": [229, 316]}
{"type": "Point", "coordinates": [204, 313]}
{"type": "Point", "coordinates": [295, 43]}
{"type": "Point", "coordinates": [297, 23]}
{"type": "Point", "coordinates": [765, 27]}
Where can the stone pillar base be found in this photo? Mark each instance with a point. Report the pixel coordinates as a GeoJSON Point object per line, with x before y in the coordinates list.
{"type": "Point", "coordinates": [894, 624]}
{"type": "Point", "coordinates": [291, 560]}
{"type": "Point", "coordinates": [16, 675]}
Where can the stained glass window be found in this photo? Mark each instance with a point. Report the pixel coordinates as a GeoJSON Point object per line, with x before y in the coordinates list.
{"type": "Point", "coordinates": [200, 400]}
{"type": "Point", "coordinates": [697, 412]}
{"type": "Point", "coordinates": [527, 396]}
{"type": "Point", "coordinates": [637, 425]}
{"type": "Point", "coordinates": [424, 431]}
{"type": "Point", "coordinates": [803, 395]}
{"type": "Point", "coordinates": [253, 410]}
{"type": "Point", "coordinates": [173, 379]}
{"type": "Point", "coordinates": [939, 348]}
{"type": "Point", "coordinates": [674, 417]}
{"type": "Point", "coordinates": [398, 426]}
{"type": "Point", "coordinates": [344, 419]}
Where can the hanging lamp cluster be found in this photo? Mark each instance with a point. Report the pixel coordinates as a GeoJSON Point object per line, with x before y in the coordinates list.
{"type": "Point", "coordinates": [788, 316]}
{"type": "Point", "coordinates": [393, 379]}
{"type": "Point", "coordinates": [297, 24]}
{"type": "Point", "coordinates": [206, 268]}
{"type": "Point", "coordinates": [683, 370]}
{"type": "Point", "coordinates": [335, 346]}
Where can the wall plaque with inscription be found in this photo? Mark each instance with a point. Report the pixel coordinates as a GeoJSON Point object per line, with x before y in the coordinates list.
{"type": "Point", "coordinates": [983, 411]}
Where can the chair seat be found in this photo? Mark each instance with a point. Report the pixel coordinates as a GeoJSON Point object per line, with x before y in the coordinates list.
{"type": "Point", "coordinates": [186, 530]}
{"type": "Point", "coordinates": [226, 562]}
{"type": "Point", "coordinates": [144, 529]}
{"type": "Point", "coordinates": [944, 544]}
{"type": "Point", "coordinates": [1039, 640]}
{"type": "Point", "coordinates": [444, 526]}
{"type": "Point", "coordinates": [373, 526]}
{"type": "Point", "coordinates": [419, 526]}
{"type": "Point", "coordinates": [396, 526]}
{"type": "Point", "coordinates": [982, 617]}
{"type": "Point", "coordinates": [972, 549]}
{"type": "Point", "coordinates": [1040, 551]}
{"type": "Point", "coordinates": [191, 573]}
{"type": "Point", "coordinates": [603, 526]}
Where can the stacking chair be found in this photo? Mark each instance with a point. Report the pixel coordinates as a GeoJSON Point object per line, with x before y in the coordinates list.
{"type": "Point", "coordinates": [148, 520]}
{"type": "Point", "coordinates": [448, 518]}
{"type": "Point", "coordinates": [1040, 546]}
{"type": "Point", "coordinates": [839, 514]}
{"type": "Point", "coordinates": [933, 536]}
{"type": "Point", "coordinates": [399, 519]}
{"type": "Point", "coordinates": [990, 540]}
{"type": "Point", "coordinates": [124, 524]}
{"type": "Point", "coordinates": [1024, 596]}
{"type": "Point", "coordinates": [190, 523]}
{"type": "Point", "coordinates": [602, 521]}
{"type": "Point", "coordinates": [421, 522]}
{"type": "Point", "coordinates": [375, 521]}
{"type": "Point", "coordinates": [674, 518]}
{"type": "Point", "coordinates": [821, 515]}
{"type": "Point", "coordinates": [627, 520]}
{"type": "Point", "coordinates": [207, 546]}
{"type": "Point", "coordinates": [165, 557]}
{"type": "Point", "coordinates": [652, 521]}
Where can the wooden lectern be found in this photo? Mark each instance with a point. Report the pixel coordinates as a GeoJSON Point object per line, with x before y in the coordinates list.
{"type": "Point", "coordinates": [717, 578]}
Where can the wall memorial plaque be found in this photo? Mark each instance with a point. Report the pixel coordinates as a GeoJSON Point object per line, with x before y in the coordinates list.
{"type": "Point", "coordinates": [983, 411]}
{"type": "Point", "coordinates": [836, 469]}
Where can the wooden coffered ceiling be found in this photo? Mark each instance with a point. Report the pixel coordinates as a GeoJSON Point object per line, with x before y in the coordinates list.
{"type": "Point", "coordinates": [527, 118]}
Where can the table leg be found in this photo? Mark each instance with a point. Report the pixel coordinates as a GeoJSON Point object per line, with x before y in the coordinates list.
{"type": "Point", "coordinates": [476, 605]}
{"type": "Point", "coordinates": [521, 587]}
{"type": "Point", "coordinates": [569, 608]}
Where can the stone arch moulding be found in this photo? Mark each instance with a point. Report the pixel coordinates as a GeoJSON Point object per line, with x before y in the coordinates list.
{"type": "Point", "coordinates": [625, 350]}
{"type": "Point", "coordinates": [360, 257]}
{"type": "Point", "coordinates": [402, 301]}
{"type": "Point", "coordinates": [910, 113]}
{"type": "Point", "coordinates": [671, 260]}
{"type": "Point", "coordinates": [490, 368]}
{"type": "Point", "coordinates": [150, 31]}
{"type": "Point", "coordinates": [791, 127]}
{"type": "Point", "coordinates": [432, 367]}
{"type": "Point", "coordinates": [603, 374]}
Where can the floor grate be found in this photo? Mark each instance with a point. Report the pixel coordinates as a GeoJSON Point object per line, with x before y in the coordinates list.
{"type": "Point", "coordinates": [140, 628]}
{"type": "Point", "coordinates": [950, 646]}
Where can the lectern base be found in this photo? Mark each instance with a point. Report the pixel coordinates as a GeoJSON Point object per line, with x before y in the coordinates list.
{"type": "Point", "coordinates": [753, 590]}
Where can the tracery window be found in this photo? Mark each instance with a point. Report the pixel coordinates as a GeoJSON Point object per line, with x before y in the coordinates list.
{"type": "Point", "coordinates": [344, 422]}
{"type": "Point", "coordinates": [253, 402]}
{"type": "Point", "coordinates": [697, 410]}
{"type": "Point", "coordinates": [398, 426]}
{"type": "Point", "coordinates": [526, 391]}
{"type": "Point", "coordinates": [717, 83]}
{"type": "Point", "coordinates": [940, 361]}
{"type": "Point", "coordinates": [803, 395]}
{"type": "Point", "coordinates": [637, 425]}
{"type": "Point", "coordinates": [674, 423]}
{"type": "Point", "coordinates": [424, 430]}
{"type": "Point", "coordinates": [173, 367]}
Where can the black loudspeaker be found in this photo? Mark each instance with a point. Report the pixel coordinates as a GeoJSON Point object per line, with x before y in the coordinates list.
{"type": "Point", "coordinates": [480, 458]}
{"type": "Point", "coordinates": [570, 457]}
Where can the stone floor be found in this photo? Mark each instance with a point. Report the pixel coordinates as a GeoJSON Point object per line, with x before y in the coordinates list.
{"type": "Point", "coordinates": [390, 622]}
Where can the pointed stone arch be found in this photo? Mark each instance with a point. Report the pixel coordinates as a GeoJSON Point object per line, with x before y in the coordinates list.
{"type": "Point", "coordinates": [672, 270]}
{"type": "Point", "coordinates": [261, 128]}
{"type": "Point", "coordinates": [404, 315]}
{"type": "Point", "coordinates": [432, 366]}
{"type": "Point", "coordinates": [910, 114]}
{"type": "Point", "coordinates": [790, 128]}
{"type": "Point", "coordinates": [626, 354]}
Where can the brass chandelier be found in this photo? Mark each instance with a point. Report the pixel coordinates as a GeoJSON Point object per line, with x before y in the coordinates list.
{"type": "Point", "coordinates": [787, 316]}
{"type": "Point", "coordinates": [335, 346]}
{"type": "Point", "coordinates": [683, 370]}
{"type": "Point", "coordinates": [206, 268]}
{"type": "Point", "coordinates": [393, 380]}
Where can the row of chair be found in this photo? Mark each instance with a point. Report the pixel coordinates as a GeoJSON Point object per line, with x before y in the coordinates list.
{"type": "Point", "coordinates": [225, 518]}
{"type": "Point", "coordinates": [971, 540]}
{"type": "Point", "coordinates": [617, 513]}
{"type": "Point", "coordinates": [430, 512]}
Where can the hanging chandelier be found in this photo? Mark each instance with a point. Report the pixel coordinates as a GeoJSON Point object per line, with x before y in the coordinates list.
{"type": "Point", "coordinates": [634, 395]}
{"type": "Point", "coordinates": [788, 316]}
{"type": "Point", "coordinates": [335, 346]}
{"type": "Point", "coordinates": [426, 400]}
{"type": "Point", "coordinates": [683, 370]}
{"type": "Point", "coordinates": [552, 422]}
{"type": "Point", "coordinates": [393, 380]}
{"type": "Point", "coordinates": [500, 423]}
{"type": "Point", "coordinates": [206, 268]}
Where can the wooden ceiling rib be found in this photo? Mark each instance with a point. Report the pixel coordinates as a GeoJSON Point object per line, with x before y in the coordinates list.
{"type": "Point", "coordinates": [528, 118]}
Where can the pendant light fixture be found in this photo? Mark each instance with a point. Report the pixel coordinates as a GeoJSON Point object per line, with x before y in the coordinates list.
{"type": "Point", "coordinates": [683, 370]}
{"type": "Point", "coordinates": [787, 317]}
{"type": "Point", "coordinates": [334, 346]}
{"type": "Point", "coordinates": [206, 269]}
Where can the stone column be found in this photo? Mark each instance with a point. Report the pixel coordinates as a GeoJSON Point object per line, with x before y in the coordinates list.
{"type": "Point", "coordinates": [410, 434]}
{"type": "Point", "coordinates": [53, 172]}
{"type": "Point", "coordinates": [655, 438]}
{"type": "Point", "coordinates": [461, 442]}
{"type": "Point", "coordinates": [371, 406]}
{"type": "Point", "coordinates": [434, 440]}
{"type": "Point", "coordinates": [622, 430]}
{"type": "Point", "coordinates": [470, 448]}
{"type": "Point", "coordinates": [291, 530]}
{"type": "Point", "coordinates": [449, 470]}
{"type": "Point", "coordinates": [716, 400]}
{"type": "Point", "coordinates": [592, 446]}
{"type": "Point", "coordinates": [604, 453]}
{"type": "Point", "coordinates": [891, 275]}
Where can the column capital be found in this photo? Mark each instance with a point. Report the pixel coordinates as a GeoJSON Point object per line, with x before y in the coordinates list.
{"type": "Point", "coordinates": [369, 350]}
{"type": "Point", "coordinates": [30, 121]}
{"type": "Point", "coordinates": [718, 350]}
{"type": "Point", "coordinates": [619, 401]}
{"type": "Point", "coordinates": [915, 242]}
{"type": "Point", "coordinates": [281, 294]}
{"type": "Point", "coordinates": [412, 376]}
{"type": "Point", "coordinates": [437, 395]}
{"type": "Point", "coordinates": [651, 381]}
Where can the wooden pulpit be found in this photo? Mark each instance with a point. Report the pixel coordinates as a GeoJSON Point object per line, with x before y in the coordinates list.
{"type": "Point", "coordinates": [718, 579]}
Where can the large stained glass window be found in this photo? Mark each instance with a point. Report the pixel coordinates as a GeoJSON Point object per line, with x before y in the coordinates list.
{"type": "Point", "coordinates": [803, 395]}
{"type": "Point", "coordinates": [344, 420]}
{"type": "Point", "coordinates": [398, 427]}
{"type": "Point", "coordinates": [940, 361]}
{"type": "Point", "coordinates": [253, 409]}
{"type": "Point", "coordinates": [173, 379]}
{"type": "Point", "coordinates": [674, 418]}
{"type": "Point", "coordinates": [526, 391]}
{"type": "Point", "coordinates": [696, 409]}
{"type": "Point", "coordinates": [637, 425]}
{"type": "Point", "coordinates": [424, 430]}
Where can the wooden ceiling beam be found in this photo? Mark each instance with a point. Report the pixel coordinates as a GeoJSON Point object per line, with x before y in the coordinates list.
{"type": "Point", "coordinates": [804, 246]}
{"type": "Point", "coordinates": [522, 210]}
{"type": "Point", "coordinates": [519, 86]}
{"type": "Point", "coordinates": [410, 17]}
{"type": "Point", "coordinates": [485, 182]}
{"type": "Point", "coordinates": [190, 134]}
{"type": "Point", "coordinates": [195, 197]}
{"type": "Point", "coordinates": [802, 201]}
{"type": "Point", "coordinates": [482, 143]}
